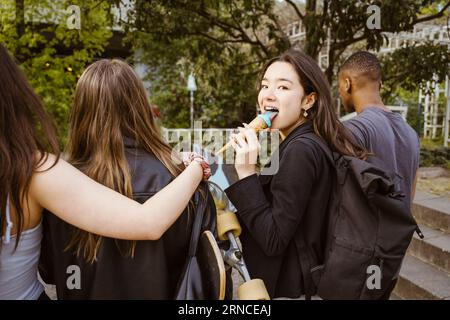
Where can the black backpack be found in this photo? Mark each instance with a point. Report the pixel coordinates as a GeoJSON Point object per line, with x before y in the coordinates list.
{"type": "Point", "coordinates": [369, 229]}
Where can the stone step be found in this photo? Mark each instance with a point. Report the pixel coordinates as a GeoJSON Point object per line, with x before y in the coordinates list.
{"type": "Point", "coordinates": [433, 249]}
{"type": "Point", "coordinates": [421, 281]}
{"type": "Point", "coordinates": [394, 297]}
{"type": "Point", "coordinates": [433, 172]}
{"type": "Point", "coordinates": [432, 211]}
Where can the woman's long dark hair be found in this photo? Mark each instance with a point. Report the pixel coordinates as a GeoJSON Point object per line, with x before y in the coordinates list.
{"type": "Point", "coordinates": [322, 114]}
{"type": "Point", "coordinates": [26, 135]}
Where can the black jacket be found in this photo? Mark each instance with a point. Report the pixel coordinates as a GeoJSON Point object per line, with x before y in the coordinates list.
{"type": "Point", "coordinates": [154, 271]}
{"type": "Point", "coordinates": [276, 211]}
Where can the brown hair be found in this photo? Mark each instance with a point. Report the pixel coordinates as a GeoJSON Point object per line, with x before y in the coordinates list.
{"type": "Point", "coordinates": [26, 135]}
{"type": "Point", "coordinates": [110, 104]}
{"type": "Point", "coordinates": [322, 114]}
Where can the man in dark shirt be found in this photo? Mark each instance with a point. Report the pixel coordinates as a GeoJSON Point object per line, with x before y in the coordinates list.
{"type": "Point", "coordinates": [382, 132]}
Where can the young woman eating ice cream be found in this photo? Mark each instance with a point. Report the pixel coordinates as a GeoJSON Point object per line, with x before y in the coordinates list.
{"type": "Point", "coordinates": [282, 213]}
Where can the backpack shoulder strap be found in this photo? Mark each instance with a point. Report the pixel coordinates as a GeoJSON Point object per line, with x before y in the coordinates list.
{"type": "Point", "coordinates": [200, 207]}
{"type": "Point", "coordinates": [319, 141]}
{"type": "Point", "coordinates": [337, 160]}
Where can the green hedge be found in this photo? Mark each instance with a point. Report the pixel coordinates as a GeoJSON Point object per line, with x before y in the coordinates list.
{"type": "Point", "coordinates": [439, 156]}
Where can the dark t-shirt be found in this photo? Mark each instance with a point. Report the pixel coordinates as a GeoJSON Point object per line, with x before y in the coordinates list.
{"type": "Point", "coordinates": [392, 140]}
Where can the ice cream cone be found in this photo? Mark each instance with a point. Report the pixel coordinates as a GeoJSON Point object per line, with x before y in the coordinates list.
{"type": "Point", "coordinates": [261, 122]}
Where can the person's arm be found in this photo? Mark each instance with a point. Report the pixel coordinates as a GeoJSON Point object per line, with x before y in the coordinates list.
{"type": "Point", "coordinates": [88, 205]}
{"type": "Point", "coordinates": [416, 163]}
{"type": "Point", "coordinates": [413, 193]}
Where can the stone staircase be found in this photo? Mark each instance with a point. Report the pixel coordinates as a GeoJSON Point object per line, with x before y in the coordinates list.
{"type": "Point", "coordinates": [425, 272]}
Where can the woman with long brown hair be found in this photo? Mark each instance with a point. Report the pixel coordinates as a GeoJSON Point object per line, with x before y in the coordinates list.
{"type": "Point", "coordinates": [285, 212]}
{"type": "Point", "coordinates": [34, 178]}
{"type": "Point", "coordinates": [113, 139]}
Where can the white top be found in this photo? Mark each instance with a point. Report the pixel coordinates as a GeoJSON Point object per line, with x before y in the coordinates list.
{"type": "Point", "coordinates": [19, 268]}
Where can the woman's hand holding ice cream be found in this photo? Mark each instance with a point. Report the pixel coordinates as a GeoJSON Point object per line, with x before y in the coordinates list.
{"type": "Point", "coordinates": [246, 143]}
{"type": "Point", "coordinates": [261, 122]}
{"type": "Point", "coordinates": [247, 147]}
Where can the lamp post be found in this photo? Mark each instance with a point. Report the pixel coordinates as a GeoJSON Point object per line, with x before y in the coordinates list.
{"type": "Point", "coordinates": [192, 87]}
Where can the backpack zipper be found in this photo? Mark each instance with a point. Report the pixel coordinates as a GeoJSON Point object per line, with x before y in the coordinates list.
{"type": "Point", "coordinates": [419, 232]}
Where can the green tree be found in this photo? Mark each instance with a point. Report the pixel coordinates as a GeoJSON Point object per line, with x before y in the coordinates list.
{"type": "Point", "coordinates": [219, 41]}
{"type": "Point", "coordinates": [346, 21]}
{"type": "Point", "coordinates": [412, 66]}
{"type": "Point", "coordinates": [52, 55]}
{"type": "Point", "coordinates": [226, 43]}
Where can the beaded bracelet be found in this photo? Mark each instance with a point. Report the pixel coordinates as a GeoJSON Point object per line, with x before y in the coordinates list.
{"type": "Point", "coordinates": [201, 160]}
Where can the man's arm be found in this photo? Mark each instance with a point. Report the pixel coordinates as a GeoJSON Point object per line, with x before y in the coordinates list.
{"type": "Point", "coordinates": [413, 191]}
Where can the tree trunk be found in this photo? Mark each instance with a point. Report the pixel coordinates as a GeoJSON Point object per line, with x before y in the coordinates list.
{"type": "Point", "coordinates": [20, 27]}
{"type": "Point", "coordinates": [20, 17]}
{"type": "Point", "coordinates": [329, 72]}
{"type": "Point", "coordinates": [312, 42]}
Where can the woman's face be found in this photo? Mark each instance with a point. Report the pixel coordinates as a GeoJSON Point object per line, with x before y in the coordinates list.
{"type": "Point", "coordinates": [281, 90]}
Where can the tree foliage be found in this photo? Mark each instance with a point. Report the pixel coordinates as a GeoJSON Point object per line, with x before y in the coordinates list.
{"type": "Point", "coordinates": [52, 55]}
{"type": "Point", "coordinates": [411, 67]}
{"type": "Point", "coordinates": [222, 42]}
{"type": "Point", "coordinates": [226, 43]}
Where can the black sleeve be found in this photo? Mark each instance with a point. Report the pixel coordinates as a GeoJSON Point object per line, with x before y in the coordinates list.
{"type": "Point", "coordinates": [46, 257]}
{"type": "Point", "coordinates": [273, 225]}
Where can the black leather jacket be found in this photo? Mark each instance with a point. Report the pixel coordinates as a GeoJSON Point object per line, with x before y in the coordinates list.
{"type": "Point", "coordinates": [154, 271]}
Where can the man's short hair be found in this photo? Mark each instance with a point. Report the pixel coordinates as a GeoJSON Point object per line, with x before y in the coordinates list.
{"type": "Point", "coordinates": [363, 63]}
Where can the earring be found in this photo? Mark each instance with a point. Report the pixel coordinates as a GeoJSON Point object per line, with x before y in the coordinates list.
{"type": "Point", "coordinates": [305, 114]}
